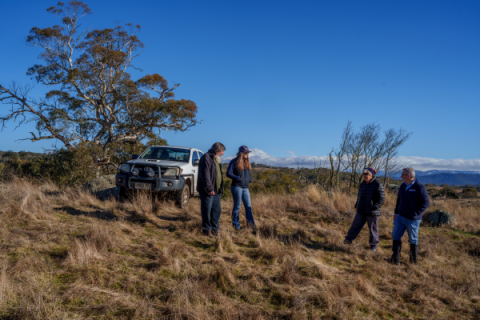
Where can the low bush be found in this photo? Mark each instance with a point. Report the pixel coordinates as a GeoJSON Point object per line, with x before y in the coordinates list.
{"type": "Point", "coordinates": [449, 193]}
{"type": "Point", "coordinates": [470, 193]}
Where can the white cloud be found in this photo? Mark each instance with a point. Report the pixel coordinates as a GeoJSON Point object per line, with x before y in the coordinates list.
{"type": "Point", "coordinates": [259, 156]}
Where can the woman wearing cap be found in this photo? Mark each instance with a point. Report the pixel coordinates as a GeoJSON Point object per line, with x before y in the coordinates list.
{"type": "Point", "coordinates": [369, 201]}
{"type": "Point", "coordinates": [239, 171]}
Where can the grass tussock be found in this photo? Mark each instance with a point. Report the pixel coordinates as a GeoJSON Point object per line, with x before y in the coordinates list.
{"type": "Point", "coordinates": [66, 255]}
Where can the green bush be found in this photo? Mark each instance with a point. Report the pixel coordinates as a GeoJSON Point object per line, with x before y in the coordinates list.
{"type": "Point", "coordinates": [276, 182]}
{"type": "Point", "coordinates": [270, 181]}
{"type": "Point", "coordinates": [449, 193]}
{"type": "Point", "coordinates": [63, 167]}
{"type": "Point", "coordinates": [68, 168]}
{"type": "Point", "coordinates": [470, 193]}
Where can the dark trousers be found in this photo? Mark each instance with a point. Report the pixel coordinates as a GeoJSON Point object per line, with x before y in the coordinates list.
{"type": "Point", "coordinates": [357, 225]}
{"type": "Point", "coordinates": [211, 210]}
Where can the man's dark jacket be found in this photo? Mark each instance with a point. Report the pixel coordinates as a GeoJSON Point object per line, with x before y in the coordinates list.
{"type": "Point", "coordinates": [412, 203]}
{"type": "Point", "coordinates": [207, 174]}
{"type": "Point", "coordinates": [239, 178]}
{"type": "Point", "coordinates": [370, 198]}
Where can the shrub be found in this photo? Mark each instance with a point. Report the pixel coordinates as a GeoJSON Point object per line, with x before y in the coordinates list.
{"type": "Point", "coordinates": [63, 167]}
{"type": "Point", "coordinates": [67, 168]}
{"type": "Point", "coordinates": [277, 181]}
{"type": "Point", "coordinates": [449, 193]}
{"type": "Point", "coordinates": [470, 193]}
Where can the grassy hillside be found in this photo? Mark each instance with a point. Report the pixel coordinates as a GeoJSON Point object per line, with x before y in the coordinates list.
{"type": "Point", "coordinates": [66, 255]}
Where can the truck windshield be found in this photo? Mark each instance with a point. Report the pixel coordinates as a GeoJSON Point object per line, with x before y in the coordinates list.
{"type": "Point", "coordinates": [166, 153]}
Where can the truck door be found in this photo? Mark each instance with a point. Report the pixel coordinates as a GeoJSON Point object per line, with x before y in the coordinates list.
{"type": "Point", "coordinates": [195, 172]}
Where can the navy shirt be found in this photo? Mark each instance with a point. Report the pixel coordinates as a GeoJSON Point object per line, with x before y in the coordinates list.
{"type": "Point", "coordinates": [412, 201]}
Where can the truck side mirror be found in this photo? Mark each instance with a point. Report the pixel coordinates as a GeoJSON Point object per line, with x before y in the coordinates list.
{"type": "Point", "coordinates": [196, 162]}
{"type": "Point", "coordinates": [134, 156]}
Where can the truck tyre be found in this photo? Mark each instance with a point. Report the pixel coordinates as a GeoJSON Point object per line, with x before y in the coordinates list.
{"type": "Point", "coordinates": [121, 194]}
{"type": "Point", "coordinates": [182, 196]}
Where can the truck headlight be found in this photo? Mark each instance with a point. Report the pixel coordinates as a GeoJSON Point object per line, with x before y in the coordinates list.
{"type": "Point", "coordinates": [135, 172]}
{"type": "Point", "coordinates": [149, 172]}
{"type": "Point", "coordinates": [124, 167]}
{"type": "Point", "coordinates": [171, 172]}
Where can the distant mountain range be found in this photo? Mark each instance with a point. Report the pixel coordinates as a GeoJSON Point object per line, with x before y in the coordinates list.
{"type": "Point", "coordinates": [450, 177]}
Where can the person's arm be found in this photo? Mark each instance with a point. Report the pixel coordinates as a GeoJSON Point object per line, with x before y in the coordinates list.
{"type": "Point", "coordinates": [396, 212]}
{"type": "Point", "coordinates": [230, 173]}
{"type": "Point", "coordinates": [379, 197]}
{"type": "Point", "coordinates": [250, 175]}
{"type": "Point", "coordinates": [206, 168]}
{"type": "Point", "coordinates": [424, 201]}
{"type": "Point", "coordinates": [358, 197]}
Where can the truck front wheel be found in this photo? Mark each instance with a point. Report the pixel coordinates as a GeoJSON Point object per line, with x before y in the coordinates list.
{"type": "Point", "coordinates": [122, 194]}
{"type": "Point", "coordinates": [182, 196]}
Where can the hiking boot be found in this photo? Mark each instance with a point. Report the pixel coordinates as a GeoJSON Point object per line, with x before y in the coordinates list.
{"type": "Point", "coordinates": [397, 248]}
{"type": "Point", "coordinates": [215, 234]}
{"type": "Point", "coordinates": [346, 241]}
{"type": "Point", "coordinates": [373, 249]}
{"type": "Point", "coordinates": [413, 253]}
{"type": "Point", "coordinates": [208, 233]}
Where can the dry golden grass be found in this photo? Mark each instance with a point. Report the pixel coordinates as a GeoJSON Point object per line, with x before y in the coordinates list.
{"type": "Point", "coordinates": [67, 255]}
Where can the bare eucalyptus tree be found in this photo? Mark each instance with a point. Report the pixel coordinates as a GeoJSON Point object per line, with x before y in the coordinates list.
{"type": "Point", "coordinates": [392, 141]}
{"type": "Point", "coordinates": [368, 148]}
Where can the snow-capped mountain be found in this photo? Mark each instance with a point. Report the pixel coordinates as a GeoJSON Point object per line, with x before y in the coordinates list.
{"type": "Point", "coordinates": [450, 177]}
{"type": "Point", "coordinates": [420, 173]}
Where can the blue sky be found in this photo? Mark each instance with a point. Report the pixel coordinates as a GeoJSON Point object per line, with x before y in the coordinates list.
{"type": "Point", "coordinates": [285, 77]}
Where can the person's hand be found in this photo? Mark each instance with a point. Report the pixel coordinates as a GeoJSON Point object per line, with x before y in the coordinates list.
{"type": "Point", "coordinates": [395, 216]}
{"type": "Point", "coordinates": [211, 193]}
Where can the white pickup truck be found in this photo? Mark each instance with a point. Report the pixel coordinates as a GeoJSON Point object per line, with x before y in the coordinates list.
{"type": "Point", "coordinates": [165, 170]}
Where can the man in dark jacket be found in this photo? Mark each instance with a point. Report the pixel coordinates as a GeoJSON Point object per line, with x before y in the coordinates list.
{"type": "Point", "coordinates": [369, 201]}
{"type": "Point", "coordinates": [210, 188]}
{"type": "Point", "coordinates": [412, 201]}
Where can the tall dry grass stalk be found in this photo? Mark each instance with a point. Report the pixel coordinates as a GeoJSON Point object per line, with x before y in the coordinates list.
{"type": "Point", "coordinates": [66, 255]}
{"type": "Point", "coordinates": [5, 289]}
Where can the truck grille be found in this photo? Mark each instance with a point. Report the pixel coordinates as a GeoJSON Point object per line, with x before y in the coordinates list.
{"type": "Point", "coordinates": [141, 170]}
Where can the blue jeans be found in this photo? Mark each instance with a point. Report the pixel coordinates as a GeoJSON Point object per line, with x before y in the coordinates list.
{"type": "Point", "coordinates": [401, 224]}
{"type": "Point", "coordinates": [211, 209]}
{"type": "Point", "coordinates": [241, 195]}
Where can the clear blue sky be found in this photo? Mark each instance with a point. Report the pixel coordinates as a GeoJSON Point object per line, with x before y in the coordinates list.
{"type": "Point", "coordinates": [287, 76]}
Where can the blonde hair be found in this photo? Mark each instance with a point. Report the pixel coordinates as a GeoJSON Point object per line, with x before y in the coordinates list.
{"type": "Point", "coordinates": [241, 163]}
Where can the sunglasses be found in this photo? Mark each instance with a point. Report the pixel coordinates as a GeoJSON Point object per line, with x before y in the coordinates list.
{"type": "Point", "coordinates": [366, 174]}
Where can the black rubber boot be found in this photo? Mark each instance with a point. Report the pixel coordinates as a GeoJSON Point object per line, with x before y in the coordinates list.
{"type": "Point", "coordinates": [413, 253]}
{"type": "Point", "coordinates": [397, 248]}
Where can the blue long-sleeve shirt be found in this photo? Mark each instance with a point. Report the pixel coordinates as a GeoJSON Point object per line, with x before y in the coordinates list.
{"type": "Point", "coordinates": [239, 179]}
{"type": "Point", "coordinates": [412, 201]}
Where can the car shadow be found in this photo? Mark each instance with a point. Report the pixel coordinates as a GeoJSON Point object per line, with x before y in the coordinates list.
{"type": "Point", "coordinates": [181, 218]}
{"type": "Point", "coordinates": [103, 215]}
{"type": "Point", "coordinates": [299, 237]}
{"type": "Point", "coordinates": [132, 216]}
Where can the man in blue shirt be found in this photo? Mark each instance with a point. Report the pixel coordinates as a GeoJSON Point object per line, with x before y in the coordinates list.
{"type": "Point", "coordinates": [412, 201]}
